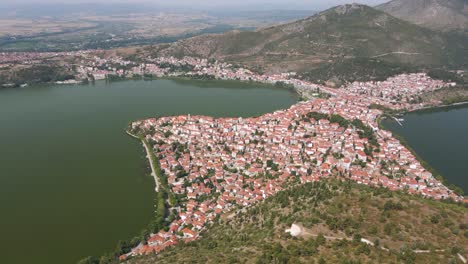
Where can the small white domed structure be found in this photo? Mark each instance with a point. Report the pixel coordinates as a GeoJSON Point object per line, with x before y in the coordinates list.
{"type": "Point", "coordinates": [295, 230]}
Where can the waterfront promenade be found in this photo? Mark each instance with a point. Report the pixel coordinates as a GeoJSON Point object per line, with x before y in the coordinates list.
{"type": "Point", "coordinates": [150, 160]}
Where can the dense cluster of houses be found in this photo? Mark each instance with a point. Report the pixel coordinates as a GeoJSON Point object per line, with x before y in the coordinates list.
{"type": "Point", "coordinates": [92, 66]}
{"type": "Point", "coordinates": [99, 68]}
{"type": "Point", "coordinates": [221, 164]}
{"type": "Point", "coordinates": [399, 92]}
{"type": "Point", "coordinates": [217, 165]}
{"type": "Point", "coordinates": [402, 91]}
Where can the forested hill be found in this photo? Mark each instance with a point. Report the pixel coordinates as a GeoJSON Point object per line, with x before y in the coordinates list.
{"type": "Point", "coordinates": [333, 217]}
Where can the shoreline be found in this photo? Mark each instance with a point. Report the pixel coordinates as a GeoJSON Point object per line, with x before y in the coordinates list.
{"type": "Point", "coordinates": [151, 162]}
{"type": "Point", "coordinates": [149, 156]}
{"type": "Point", "coordinates": [423, 162]}
{"type": "Point", "coordinates": [169, 78]}
{"type": "Point", "coordinates": [436, 107]}
{"type": "Point", "coordinates": [401, 139]}
{"type": "Point", "coordinates": [297, 92]}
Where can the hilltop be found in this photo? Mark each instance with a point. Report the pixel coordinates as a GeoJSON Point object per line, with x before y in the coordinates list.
{"type": "Point", "coordinates": [446, 15]}
{"type": "Point", "coordinates": [334, 217]}
{"type": "Point", "coordinates": [342, 33]}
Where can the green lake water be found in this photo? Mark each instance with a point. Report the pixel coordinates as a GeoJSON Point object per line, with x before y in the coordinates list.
{"type": "Point", "coordinates": [72, 182]}
{"type": "Point", "coordinates": [440, 137]}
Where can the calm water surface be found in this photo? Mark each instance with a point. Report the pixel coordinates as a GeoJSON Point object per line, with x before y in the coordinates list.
{"type": "Point", "coordinates": [72, 183]}
{"type": "Point", "coordinates": [441, 138]}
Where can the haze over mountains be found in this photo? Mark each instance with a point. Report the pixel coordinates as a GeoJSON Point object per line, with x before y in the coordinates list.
{"type": "Point", "coordinates": [435, 14]}
{"type": "Point", "coordinates": [340, 33]}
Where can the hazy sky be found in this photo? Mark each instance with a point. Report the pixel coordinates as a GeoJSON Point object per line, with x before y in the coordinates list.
{"type": "Point", "coordinates": [289, 4]}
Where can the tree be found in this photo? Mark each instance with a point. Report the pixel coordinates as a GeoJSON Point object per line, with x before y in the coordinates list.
{"type": "Point", "coordinates": [340, 120]}
{"type": "Point", "coordinates": [377, 243]}
{"type": "Point", "coordinates": [406, 255]}
{"type": "Point", "coordinates": [390, 205]}
{"type": "Point", "coordinates": [357, 237]}
{"type": "Point", "coordinates": [320, 240]}
{"type": "Point", "coordinates": [322, 261]}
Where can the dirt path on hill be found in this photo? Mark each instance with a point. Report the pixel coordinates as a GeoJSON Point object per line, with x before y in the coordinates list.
{"type": "Point", "coordinates": [396, 52]}
{"type": "Point", "coordinates": [304, 232]}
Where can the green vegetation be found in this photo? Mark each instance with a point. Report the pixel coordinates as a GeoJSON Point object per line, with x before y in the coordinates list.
{"type": "Point", "coordinates": [340, 120]}
{"type": "Point", "coordinates": [161, 220]}
{"type": "Point", "coordinates": [284, 85]}
{"type": "Point", "coordinates": [340, 43]}
{"type": "Point", "coordinates": [344, 210]}
{"type": "Point", "coordinates": [364, 131]}
{"type": "Point", "coordinates": [203, 77]}
{"type": "Point", "coordinates": [357, 69]}
{"type": "Point", "coordinates": [440, 15]}
{"type": "Point", "coordinates": [446, 76]}
{"type": "Point", "coordinates": [454, 100]}
{"type": "Point", "coordinates": [161, 213]}
{"type": "Point", "coordinates": [177, 68]}
{"type": "Point", "coordinates": [384, 109]}
{"type": "Point", "coordinates": [114, 77]}
{"type": "Point", "coordinates": [428, 167]}
{"type": "Point", "coordinates": [453, 95]}
{"type": "Point", "coordinates": [39, 74]}
{"type": "Point", "coordinates": [449, 95]}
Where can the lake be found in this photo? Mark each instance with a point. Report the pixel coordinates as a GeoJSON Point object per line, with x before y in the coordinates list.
{"type": "Point", "coordinates": [72, 182]}
{"type": "Point", "coordinates": [440, 137]}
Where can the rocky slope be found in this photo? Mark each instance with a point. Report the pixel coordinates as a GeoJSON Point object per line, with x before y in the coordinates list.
{"type": "Point", "coordinates": [446, 15]}
{"type": "Point", "coordinates": [340, 33]}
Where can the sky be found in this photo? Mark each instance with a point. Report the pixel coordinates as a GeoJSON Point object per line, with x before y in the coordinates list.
{"type": "Point", "coordinates": [196, 4]}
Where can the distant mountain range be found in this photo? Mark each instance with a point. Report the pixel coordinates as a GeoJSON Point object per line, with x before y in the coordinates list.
{"type": "Point", "coordinates": [342, 33]}
{"type": "Point", "coordinates": [443, 15]}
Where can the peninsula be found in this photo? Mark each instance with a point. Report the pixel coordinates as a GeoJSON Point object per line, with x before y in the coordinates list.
{"type": "Point", "coordinates": [272, 188]}
{"type": "Point", "coordinates": [215, 165]}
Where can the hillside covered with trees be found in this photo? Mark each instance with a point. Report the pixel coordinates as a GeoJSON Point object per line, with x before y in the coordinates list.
{"type": "Point", "coordinates": [334, 217]}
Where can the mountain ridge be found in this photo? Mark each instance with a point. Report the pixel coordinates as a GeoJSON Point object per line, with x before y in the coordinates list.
{"type": "Point", "coordinates": [445, 15]}
{"type": "Point", "coordinates": [343, 32]}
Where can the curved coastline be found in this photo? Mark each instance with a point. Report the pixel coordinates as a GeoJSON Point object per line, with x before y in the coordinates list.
{"type": "Point", "coordinates": [161, 195]}
{"type": "Point", "coordinates": [437, 108]}
{"type": "Point", "coordinates": [104, 110]}
{"type": "Point", "coordinates": [424, 163]}
{"type": "Point", "coordinates": [399, 137]}
{"type": "Point", "coordinates": [150, 160]}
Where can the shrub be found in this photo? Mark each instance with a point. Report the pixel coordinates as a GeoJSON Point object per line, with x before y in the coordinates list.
{"type": "Point", "coordinates": [390, 205]}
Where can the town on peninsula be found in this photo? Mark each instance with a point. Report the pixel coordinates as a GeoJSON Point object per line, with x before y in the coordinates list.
{"type": "Point", "coordinates": [209, 166]}
{"type": "Point", "coordinates": [306, 151]}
